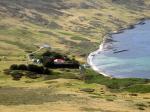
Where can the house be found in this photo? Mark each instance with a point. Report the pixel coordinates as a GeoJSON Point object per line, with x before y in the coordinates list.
{"type": "Point", "coordinates": [59, 61]}
{"type": "Point", "coordinates": [36, 61]}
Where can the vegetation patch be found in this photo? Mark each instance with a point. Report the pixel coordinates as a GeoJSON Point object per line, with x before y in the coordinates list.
{"type": "Point", "coordinates": [110, 99]}
{"type": "Point", "coordinates": [128, 84]}
{"type": "Point", "coordinates": [58, 60]}
{"type": "Point", "coordinates": [30, 71]}
{"type": "Point", "coordinates": [79, 38]}
{"type": "Point", "coordinates": [66, 33]}
{"type": "Point", "coordinates": [139, 88]}
{"type": "Point", "coordinates": [141, 106]}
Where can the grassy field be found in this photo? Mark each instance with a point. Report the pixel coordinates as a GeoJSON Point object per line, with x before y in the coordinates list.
{"type": "Point", "coordinates": [76, 28]}
{"type": "Point", "coordinates": [65, 90]}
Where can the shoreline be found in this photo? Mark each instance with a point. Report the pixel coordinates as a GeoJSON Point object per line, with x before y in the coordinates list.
{"type": "Point", "coordinates": [100, 49]}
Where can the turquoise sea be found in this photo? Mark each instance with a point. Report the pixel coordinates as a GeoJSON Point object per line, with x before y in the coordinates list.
{"type": "Point", "coordinates": [127, 55]}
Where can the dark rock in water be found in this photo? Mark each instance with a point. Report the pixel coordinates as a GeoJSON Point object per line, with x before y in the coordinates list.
{"type": "Point", "coordinates": [142, 23]}
{"type": "Point", "coordinates": [120, 51]}
{"type": "Point", "coordinates": [108, 46]}
{"type": "Point", "coordinates": [142, 19]}
{"type": "Point", "coordinates": [89, 90]}
{"type": "Point", "coordinates": [131, 27]}
{"type": "Point", "coordinates": [115, 50]}
{"type": "Point", "coordinates": [108, 40]}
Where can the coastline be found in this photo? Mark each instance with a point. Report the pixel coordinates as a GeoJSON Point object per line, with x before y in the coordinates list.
{"type": "Point", "coordinates": [101, 46]}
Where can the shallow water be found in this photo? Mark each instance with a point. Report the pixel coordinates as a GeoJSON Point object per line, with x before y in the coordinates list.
{"type": "Point", "coordinates": [128, 55]}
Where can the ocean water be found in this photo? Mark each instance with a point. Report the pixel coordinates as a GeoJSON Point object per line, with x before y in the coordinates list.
{"type": "Point", "coordinates": [128, 55]}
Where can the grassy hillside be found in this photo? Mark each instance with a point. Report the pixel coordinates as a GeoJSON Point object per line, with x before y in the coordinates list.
{"type": "Point", "coordinates": [74, 27]}
{"type": "Point", "coordinates": [67, 25]}
{"type": "Point", "coordinates": [64, 92]}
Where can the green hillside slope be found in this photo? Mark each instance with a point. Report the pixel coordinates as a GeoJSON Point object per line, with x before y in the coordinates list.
{"type": "Point", "coordinates": [70, 26]}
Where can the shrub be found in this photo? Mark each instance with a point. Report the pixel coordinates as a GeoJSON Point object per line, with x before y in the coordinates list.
{"type": "Point", "coordinates": [53, 54]}
{"type": "Point", "coordinates": [109, 99]}
{"type": "Point", "coordinates": [70, 65]}
{"type": "Point", "coordinates": [141, 108]}
{"type": "Point", "coordinates": [40, 70]}
{"type": "Point", "coordinates": [36, 69]}
{"type": "Point", "coordinates": [47, 71]}
{"type": "Point", "coordinates": [32, 67]}
{"type": "Point", "coordinates": [141, 105]}
{"type": "Point", "coordinates": [48, 64]}
{"type": "Point", "coordinates": [74, 61]}
{"type": "Point", "coordinates": [31, 71]}
{"type": "Point", "coordinates": [14, 67]}
{"type": "Point", "coordinates": [139, 88]}
{"type": "Point", "coordinates": [32, 75]}
{"type": "Point", "coordinates": [22, 67]}
{"type": "Point", "coordinates": [16, 75]}
{"type": "Point", "coordinates": [113, 85]}
{"type": "Point", "coordinates": [133, 94]}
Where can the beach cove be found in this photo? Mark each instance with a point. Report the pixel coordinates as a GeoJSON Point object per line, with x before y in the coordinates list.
{"type": "Point", "coordinates": [124, 54]}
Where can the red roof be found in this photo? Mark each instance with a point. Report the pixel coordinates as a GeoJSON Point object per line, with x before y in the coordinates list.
{"type": "Point", "coordinates": [59, 60]}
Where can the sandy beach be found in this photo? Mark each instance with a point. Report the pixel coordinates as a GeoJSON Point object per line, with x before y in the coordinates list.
{"type": "Point", "coordinates": [90, 60]}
